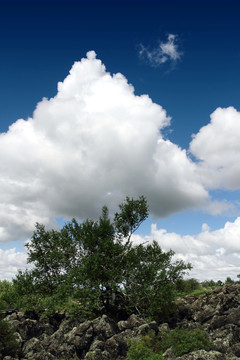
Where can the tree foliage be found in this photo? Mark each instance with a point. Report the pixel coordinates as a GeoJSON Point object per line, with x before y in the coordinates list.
{"type": "Point", "coordinates": [97, 264]}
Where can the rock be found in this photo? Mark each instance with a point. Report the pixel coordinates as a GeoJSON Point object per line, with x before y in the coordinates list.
{"type": "Point", "coordinates": [30, 328]}
{"type": "Point", "coordinates": [146, 328]}
{"type": "Point", "coordinates": [104, 327]}
{"type": "Point", "coordinates": [222, 339]}
{"type": "Point", "coordinates": [56, 319]}
{"type": "Point", "coordinates": [97, 345]}
{"type": "Point", "coordinates": [203, 355]}
{"type": "Point", "coordinates": [164, 328]}
{"type": "Point", "coordinates": [80, 337]}
{"type": "Point", "coordinates": [234, 350]}
{"type": "Point", "coordinates": [60, 336]}
{"type": "Point", "coordinates": [130, 323]}
{"type": "Point", "coordinates": [31, 347]}
{"type": "Point", "coordinates": [169, 354]}
{"type": "Point", "coordinates": [97, 355]}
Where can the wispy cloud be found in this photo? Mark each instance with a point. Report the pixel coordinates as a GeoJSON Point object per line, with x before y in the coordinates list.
{"type": "Point", "coordinates": [164, 52]}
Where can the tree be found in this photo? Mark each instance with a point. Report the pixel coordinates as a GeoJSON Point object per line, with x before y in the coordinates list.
{"type": "Point", "coordinates": [5, 294]}
{"type": "Point", "coordinates": [53, 254]}
{"type": "Point", "coordinates": [150, 277]}
{"type": "Point", "coordinates": [229, 281]}
{"type": "Point", "coordinates": [97, 263]}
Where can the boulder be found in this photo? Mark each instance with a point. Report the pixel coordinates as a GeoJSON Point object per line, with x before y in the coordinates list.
{"type": "Point", "coordinates": [61, 336]}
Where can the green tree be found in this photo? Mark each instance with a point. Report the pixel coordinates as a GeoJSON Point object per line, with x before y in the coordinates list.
{"type": "Point", "coordinates": [5, 294]}
{"type": "Point", "coordinates": [229, 281]}
{"type": "Point", "coordinates": [97, 263]}
{"type": "Point", "coordinates": [187, 285]}
{"type": "Point", "coordinates": [53, 254]}
{"type": "Point", "coordinates": [150, 277]}
{"type": "Point", "coordinates": [209, 284]}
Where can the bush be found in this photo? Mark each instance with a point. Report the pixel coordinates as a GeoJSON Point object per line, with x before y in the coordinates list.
{"type": "Point", "coordinates": [209, 284]}
{"type": "Point", "coordinates": [187, 286]}
{"type": "Point", "coordinates": [6, 295]}
{"type": "Point", "coordinates": [184, 341]}
{"type": "Point", "coordinates": [229, 281]}
{"type": "Point", "coordinates": [143, 349]}
{"type": "Point", "coordinates": [181, 341]}
{"type": "Point", "coordinates": [8, 343]}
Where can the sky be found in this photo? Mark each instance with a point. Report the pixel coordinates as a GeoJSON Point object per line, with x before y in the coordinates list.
{"type": "Point", "coordinates": [106, 99]}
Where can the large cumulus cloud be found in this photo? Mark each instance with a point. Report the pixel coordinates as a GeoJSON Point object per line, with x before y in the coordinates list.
{"type": "Point", "coordinates": [92, 144]}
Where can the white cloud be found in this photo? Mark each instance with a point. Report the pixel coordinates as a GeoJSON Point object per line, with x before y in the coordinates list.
{"type": "Point", "coordinates": [205, 227]}
{"type": "Point", "coordinates": [215, 207]}
{"type": "Point", "coordinates": [217, 147]}
{"type": "Point", "coordinates": [92, 144]}
{"type": "Point", "coordinates": [213, 254]}
{"type": "Point", "coordinates": [164, 52]}
{"type": "Point", "coordinates": [10, 262]}
{"type": "Point", "coordinates": [96, 142]}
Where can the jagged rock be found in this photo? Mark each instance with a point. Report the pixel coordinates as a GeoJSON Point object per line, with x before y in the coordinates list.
{"type": "Point", "coordinates": [146, 328]}
{"type": "Point", "coordinates": [97, 355]}
{"type": "Point", "coordinates": [130, 323]}
{"type": "Point", "coordinates": [60, 336]}
{"type": "Point", "coordinates": [104, 327]}
{"type": "Point", "coordinates": [169, 354]}
{"type": "Point", "coordinates": [235, 349]}
{"type": "Point", "coordinates": [31, 347]}
{"type": "Point", "coordinates": [164, 328]}
{"type": "Point", "coordinates": [118, 344]}
{"type": "Point", "coordinates": [203, 355]}
{"type": "Point", "coordinates": [97, 345]}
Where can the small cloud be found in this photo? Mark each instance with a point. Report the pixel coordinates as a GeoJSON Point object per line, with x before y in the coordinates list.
{"type": "Point", "coordinates": [164, 52]}
{"type": "Point", "coordinates": [205, 227]}
{"type": "Point", "coordinates": [219, 207]}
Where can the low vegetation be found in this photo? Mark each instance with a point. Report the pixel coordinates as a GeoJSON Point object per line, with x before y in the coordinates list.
{"type": "Point", "coordinates": [8, 343]}
{"type": "Point", "coordinates": [181, 341]}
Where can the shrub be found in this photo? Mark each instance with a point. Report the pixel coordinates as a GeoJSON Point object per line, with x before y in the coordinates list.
{"type": "Point", "coordinates": [8, 343]}
{"type": "Point", "coordinates": [142, 349]}
{"type": "Point", "coordinates": [184, 341]}
{"type": "Point", "coordinates": [209, 284]}
{"type": "Point", "coordinates": [6, 295]}
{"type": "Point", "coordinates": [187, 286]}
{"type": "Point", "coordinates": [181, 341]}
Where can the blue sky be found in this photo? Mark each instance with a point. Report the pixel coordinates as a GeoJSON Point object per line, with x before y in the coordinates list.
{"type": "Point", "coordinates": [185, 56]}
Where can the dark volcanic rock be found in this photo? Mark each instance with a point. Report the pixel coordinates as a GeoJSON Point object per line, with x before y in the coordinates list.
{"type": "Point", "coordinates": [218, 314]}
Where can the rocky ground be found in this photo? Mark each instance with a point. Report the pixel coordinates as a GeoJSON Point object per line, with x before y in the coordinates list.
{"type": "Point", "coordinates": [218, 314]}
